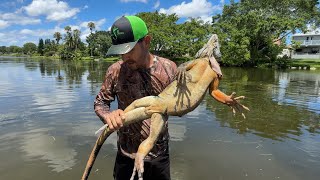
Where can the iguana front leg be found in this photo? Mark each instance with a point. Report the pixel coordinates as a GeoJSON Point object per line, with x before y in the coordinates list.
{"type": "Point", "coordinates": [157, 124]}
{"type": "Point", "coordinates": [182, 75]}
{"type": "Point", "coordinates": [231, 100]}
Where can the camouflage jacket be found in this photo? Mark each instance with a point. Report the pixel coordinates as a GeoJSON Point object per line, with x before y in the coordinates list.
{"type": "Point", "coordinates": [128, 85]}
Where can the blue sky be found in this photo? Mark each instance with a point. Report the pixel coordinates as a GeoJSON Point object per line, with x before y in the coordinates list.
{"type": "Point", "coordinates": [23, 21]}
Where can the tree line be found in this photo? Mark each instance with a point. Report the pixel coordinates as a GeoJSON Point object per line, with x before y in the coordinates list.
{"type": "Point", "coordinates": [247, 30]}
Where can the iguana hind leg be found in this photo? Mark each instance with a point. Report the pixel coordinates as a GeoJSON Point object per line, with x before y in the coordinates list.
{"type": "Point", "coordinates": [152, 104]}
{"type": "Point", "coordinates": [157, 124]}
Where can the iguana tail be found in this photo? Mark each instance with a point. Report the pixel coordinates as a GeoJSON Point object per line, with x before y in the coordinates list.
{"type": "Point", "coordinates": [94, 153]}
{"type": "Point", "coordinates": [132, 116]}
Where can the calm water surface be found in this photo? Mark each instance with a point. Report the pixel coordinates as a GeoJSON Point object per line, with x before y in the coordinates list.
{"type": "Point", "coordinates": [47, 125]}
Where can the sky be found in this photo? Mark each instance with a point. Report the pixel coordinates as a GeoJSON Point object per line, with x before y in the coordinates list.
{"type": "Point", "coordinates": [23, 21]}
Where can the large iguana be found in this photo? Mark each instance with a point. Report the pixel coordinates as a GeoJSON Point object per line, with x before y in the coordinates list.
{"type": "Point", "coordinates": [183, 95]}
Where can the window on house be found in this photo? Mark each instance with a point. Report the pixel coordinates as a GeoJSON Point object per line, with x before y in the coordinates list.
{"type": "Point", "coordinates": [314, 51]}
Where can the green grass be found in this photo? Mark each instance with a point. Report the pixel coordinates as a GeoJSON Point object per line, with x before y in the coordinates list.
{"type": "Point", "coordinates": [311, 62]}
{"type": "Point", "coordinates": [108, 59]}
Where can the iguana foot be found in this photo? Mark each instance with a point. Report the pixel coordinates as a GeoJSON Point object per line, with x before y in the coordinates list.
{"type": "Point", "coordinates": [235, 105]}
{"type": "Point", "coordinates": [182, 76]}
{"type": "Point", "coordinates": [138, 167]}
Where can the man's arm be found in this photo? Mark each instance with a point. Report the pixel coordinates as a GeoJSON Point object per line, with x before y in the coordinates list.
{"type": "Point", "coordinates": [105, 97]}
{"type": "Point", "coordinates": [115, 118]}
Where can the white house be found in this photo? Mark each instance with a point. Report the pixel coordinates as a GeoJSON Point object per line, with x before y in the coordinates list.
{"type": "Point", "coordinates": [309, 47]}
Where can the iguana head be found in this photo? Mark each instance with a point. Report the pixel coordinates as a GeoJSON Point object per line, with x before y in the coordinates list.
{"type": "Point", "coordinates": [211, 51]}
{"type": "Point", "coordinates": [211, 48]}
{"type": "Point", "coordinates": [216, 47]}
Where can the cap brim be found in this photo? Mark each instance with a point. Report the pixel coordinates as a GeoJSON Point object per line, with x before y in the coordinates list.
{"type": "Point", "coordinates": [121, 48]}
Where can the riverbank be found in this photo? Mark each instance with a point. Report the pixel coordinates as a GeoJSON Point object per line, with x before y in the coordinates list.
{"type": "Point", "coordinates": [311, 64]}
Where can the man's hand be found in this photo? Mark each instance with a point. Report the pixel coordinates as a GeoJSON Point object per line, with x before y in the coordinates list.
{"type": "Point", "coordinates": [115, 119]}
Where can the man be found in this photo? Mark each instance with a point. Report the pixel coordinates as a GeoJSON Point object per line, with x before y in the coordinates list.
{"type": "Point", "coordinates": [137, 75]}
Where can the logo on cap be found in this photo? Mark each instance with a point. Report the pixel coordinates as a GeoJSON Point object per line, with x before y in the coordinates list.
{"type": "Point", "coordinates": [116, 33]}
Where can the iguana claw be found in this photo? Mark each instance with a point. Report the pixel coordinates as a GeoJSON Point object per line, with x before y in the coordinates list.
{"type": "Point", "coordinates": [138, 167]}
{"type": "Point", "coordinates": [236, 106]}
{"type": "Point", "coordinates": [182, 76]}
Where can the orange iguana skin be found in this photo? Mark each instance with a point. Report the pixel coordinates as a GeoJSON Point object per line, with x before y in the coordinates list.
{"type": "Point", "coordinates": [180, 97]}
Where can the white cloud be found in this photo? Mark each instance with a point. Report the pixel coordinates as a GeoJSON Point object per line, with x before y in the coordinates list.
{"type": "Point", "coordinates": [53, 9]}
{"type": "Point", "coordinates": [157, 4]}
{"type": "Point", "coordinates": [58, 16]}
{"type": "Point", "coordinates": [86, 30]}
{"type": "Point", "coordinates": [85, 7]}
{"type": "Point", "coordinates": [98, 23]}
{"type": "Point", "coordinates": [196, 8]}
{"type": "Point", "coordinates": [313, 29]}
{"type": "Point", "coordinates": [23, 36]}
{"type": "Point", "coordinates": [33, 35]}
{"type": "Point", "coordinates": [3, 24]}
{"type": "Point", "coordinates": [125, 1]}
{"type": "Point", "coordinates": [26, 31]}
{"type": "Point", "coordinates": [8, 38]}
{"type": "Point", "coordinates": [18, 18]}
{"type": "Point", "coordinates": [41, 32]}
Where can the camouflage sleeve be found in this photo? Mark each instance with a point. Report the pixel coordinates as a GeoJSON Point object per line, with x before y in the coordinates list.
{"type": "Point", "coordinates": [106, 95]}
{"type": "Point", "coordinates": [173, 72]}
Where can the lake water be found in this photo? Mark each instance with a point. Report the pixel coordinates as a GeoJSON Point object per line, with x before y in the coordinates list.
{"type": "Point", "coordinates": [47, 125]}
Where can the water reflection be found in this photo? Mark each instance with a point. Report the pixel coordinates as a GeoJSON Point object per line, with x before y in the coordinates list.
{"type": "Point", "coordinates": [47, 120]}
{"type": "Point", "coordinates": [280, 101]}
{"type": "Point", "coordinates": [282, 106]}
{"type": "Point", "coordinates": [297, 88]}
{"type": "Point", "coordinates": [53, 150]}
{"type": "Point", "coordinates": [54, 100]}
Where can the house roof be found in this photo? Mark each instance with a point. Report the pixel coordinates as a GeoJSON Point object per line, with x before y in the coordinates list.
{"type": "Point", "coordinates": [307, 34]}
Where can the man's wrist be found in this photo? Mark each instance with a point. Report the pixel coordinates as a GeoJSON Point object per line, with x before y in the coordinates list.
{"type": "Point", "coordinates": [102, 115]}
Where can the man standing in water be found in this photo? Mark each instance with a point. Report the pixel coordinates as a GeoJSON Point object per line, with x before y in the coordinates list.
{"type": "Point", "coordinates": [138, 74]}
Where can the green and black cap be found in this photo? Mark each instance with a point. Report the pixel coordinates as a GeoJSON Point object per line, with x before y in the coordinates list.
{"type": "Point", "coordinates": [125, 33]}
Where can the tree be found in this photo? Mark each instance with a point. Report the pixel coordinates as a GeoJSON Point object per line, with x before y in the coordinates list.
{"type": "Point", "coordinates": [100, 42]}
{"type": "Point", "coordinates": [248, 29]}
{"type": "Point", "coordinates": [68, 37]}
{"type": "Point", "coordinates": [76, 39]}
{"type": "Point", "coordinates": [91, 26]}
{"type": "Point", "coordinates": [172, 39]}
{"type": "Point", "coordinates": [194, 33]}
{"type": "Point", "coordinates": [29, 48]}
{"type": "Point", "coordinates": [72, 48]}
{"type": "Point", "coordinates": [163, 30]}
{"type": "Point", "coordinates": [57, 36]}
{"type": "Point", "coordinates": [14, 49]}
{"type": "Point", "coordinates": [41, 47]}
{"type": "Point", "coordinates": [3, 49]}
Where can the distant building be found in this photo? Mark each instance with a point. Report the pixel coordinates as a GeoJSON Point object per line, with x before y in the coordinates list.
{"type": "Point", "coordinates": [309, 47]}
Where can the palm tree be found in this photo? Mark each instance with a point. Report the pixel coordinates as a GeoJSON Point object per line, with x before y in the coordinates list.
{"type": "Point", "coordinates": [68, 37]}
{"type": "Point", "coordinates": [57, 36]}
{"type": "Point", "coordinates": [91, 26]}
{"type": "Point", "coordinates": [76, 38]}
